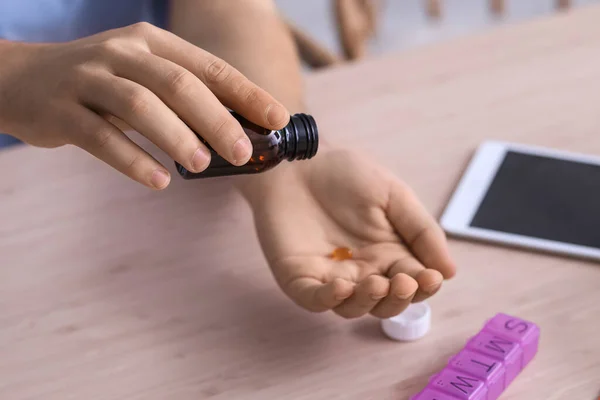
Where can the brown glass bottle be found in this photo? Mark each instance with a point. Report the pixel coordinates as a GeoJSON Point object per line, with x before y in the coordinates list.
{"type": "Point", "coordinates": [298, 140]}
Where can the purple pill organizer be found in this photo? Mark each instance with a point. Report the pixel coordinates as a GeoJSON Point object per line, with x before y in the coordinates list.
{"type": "Point", "coordinates": [488, 363]}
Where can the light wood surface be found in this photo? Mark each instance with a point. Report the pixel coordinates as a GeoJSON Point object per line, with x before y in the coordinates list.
{"type": "Point", "coordinates": [110, 291]}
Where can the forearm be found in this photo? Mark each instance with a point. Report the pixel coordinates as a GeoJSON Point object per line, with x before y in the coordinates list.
{"type": "Point", "coordinates": [3, 48]}
{"type": "Point", "coordinates": [8, 61]}
{"type": "Point", "coordinates": [250, 35]}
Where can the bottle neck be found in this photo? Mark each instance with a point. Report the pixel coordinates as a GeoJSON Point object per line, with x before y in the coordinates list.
{"type": "Point", "coordinates": [300, 137]}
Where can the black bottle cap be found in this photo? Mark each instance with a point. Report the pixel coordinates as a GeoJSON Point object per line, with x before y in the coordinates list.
{"type": "Point", "coordinates": [303, 137]}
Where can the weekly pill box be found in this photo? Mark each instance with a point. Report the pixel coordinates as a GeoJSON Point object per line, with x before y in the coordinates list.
{"type": "Point", "coordinates": [488, 363]}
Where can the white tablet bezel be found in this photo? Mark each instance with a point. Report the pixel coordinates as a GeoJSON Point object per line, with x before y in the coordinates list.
{"type": "Point", "coordinates": [474, 185]}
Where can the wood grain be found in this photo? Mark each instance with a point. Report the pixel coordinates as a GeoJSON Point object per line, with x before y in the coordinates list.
{"type": "Point", "coordinates": [110, 291]}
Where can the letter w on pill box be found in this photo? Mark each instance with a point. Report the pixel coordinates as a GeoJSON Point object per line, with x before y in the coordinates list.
{"type": "Point", "coordinates": [488, 363]}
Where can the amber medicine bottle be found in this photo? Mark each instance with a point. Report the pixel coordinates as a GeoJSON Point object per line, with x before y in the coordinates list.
{"type": "Point", "coordinates": [298, 140]}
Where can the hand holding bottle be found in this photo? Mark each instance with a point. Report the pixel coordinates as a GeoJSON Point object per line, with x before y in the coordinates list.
{"type": "Point", "coordinates": [298, 140]}
{"type": "Point", "coordinates": [160, 85]}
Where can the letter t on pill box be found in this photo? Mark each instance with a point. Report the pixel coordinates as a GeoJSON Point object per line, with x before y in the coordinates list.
{"type": "Point", "coordinates": [489, 370]}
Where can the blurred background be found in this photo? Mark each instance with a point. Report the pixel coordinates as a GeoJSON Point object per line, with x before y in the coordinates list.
{"type": "Point", "coordinates": [329, 32]}
{"type": "Point", "coordinates": [404, 24]}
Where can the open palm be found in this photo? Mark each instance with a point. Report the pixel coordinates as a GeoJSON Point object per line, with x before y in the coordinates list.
{"type": "Point", "coordinates": [304, 210]}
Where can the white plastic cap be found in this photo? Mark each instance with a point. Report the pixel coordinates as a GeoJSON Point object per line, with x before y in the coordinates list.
{"type": "Point", "coordinates": [411, 324]}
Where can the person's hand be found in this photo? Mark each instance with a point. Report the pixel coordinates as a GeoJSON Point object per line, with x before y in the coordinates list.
{"type": "Point", "coordinates": [158, 84]}
{"type": "Point", "coordinates": [304, 210]}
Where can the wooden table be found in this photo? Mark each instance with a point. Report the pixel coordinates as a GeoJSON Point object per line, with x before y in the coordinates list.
{"type": "Point", "coordinates": [110, 291]}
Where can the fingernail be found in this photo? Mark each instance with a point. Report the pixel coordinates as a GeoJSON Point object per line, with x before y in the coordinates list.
{"type": "Point", "coordinates": [377, 296]}
{"type": "Point", "coordinates": [160, 179]}
{"type": "Point", "coordinates": [404, 296]}
{"type": "Point", "coordinates": [432, 288]}
{"type": "Point", "coordinates": [242, 150]}
{"type": "Point", "coordinates": [200, 160]}
{"type": "Point", "coordinates": [276, 114]}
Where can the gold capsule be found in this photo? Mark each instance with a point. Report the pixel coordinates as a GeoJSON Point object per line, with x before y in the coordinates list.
{"type": "Point", "coordinates": [341, 254]}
